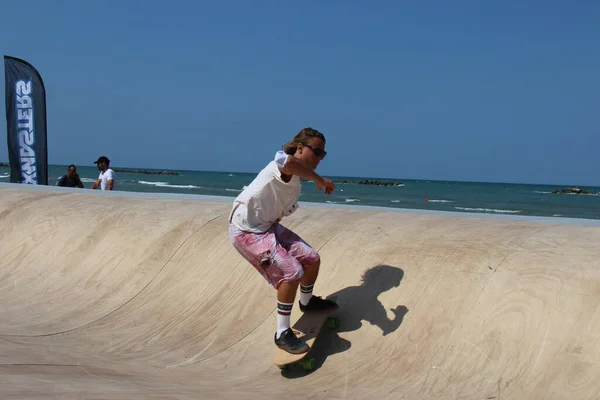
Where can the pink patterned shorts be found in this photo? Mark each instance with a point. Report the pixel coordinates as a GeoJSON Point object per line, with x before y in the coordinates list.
{"type": "Point", "coordinates": [278, 254]}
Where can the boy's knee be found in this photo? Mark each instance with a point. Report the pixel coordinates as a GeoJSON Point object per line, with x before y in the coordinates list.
{"type": "Point", "coordinates": [312, 260]}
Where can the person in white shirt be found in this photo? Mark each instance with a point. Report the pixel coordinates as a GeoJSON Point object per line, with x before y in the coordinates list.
{"type": "Point", "coordinates": [280, 255]}
{"type": "Point", "coordinates": [106, 179]}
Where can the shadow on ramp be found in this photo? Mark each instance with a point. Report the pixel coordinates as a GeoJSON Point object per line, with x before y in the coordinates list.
{"type": "Point", "coordinates": [357, 304]}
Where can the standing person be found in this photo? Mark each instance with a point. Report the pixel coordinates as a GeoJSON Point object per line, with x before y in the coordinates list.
{"type": "Point", "coordinates": [106, 179]}
{"type": "Point", "coordinates": [280, 255]}
{"type": "Point", "coordinates": [71, 179]}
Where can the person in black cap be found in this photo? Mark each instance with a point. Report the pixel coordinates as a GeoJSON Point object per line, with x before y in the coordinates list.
{"type": "Point", "coordinates": [106, 179]}
{"type": "Point", "coordinates": [71, 179]}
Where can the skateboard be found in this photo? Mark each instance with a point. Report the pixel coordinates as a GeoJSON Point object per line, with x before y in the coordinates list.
{"type": "Point", "coordinates": [307, 328]}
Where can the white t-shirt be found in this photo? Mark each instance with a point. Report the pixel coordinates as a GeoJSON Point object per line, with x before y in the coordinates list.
{"type": "Point", "coordinates": [106, 176]}
{"type": "Point", "coordinates": [266, 199]}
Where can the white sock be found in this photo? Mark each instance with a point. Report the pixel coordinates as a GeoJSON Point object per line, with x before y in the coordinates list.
{"type": "Point", "coordinates": [305, 294]}
{"type": "Point", "coordinates": [284, 311]}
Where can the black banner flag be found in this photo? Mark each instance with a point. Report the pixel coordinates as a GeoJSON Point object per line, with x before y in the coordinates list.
{"type": "Point", "coordinates": [26, 123]}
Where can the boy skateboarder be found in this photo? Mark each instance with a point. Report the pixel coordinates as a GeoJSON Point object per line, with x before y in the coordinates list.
{"type": "Point", "coordinates": [280, 255]}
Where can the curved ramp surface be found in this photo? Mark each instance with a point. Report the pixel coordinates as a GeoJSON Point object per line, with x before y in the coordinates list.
{"type": "Point", "coordinates": [119, 297]}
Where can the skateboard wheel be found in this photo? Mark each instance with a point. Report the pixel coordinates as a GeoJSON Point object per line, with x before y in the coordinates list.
{"type": "Point", "coordinates": [333, 322]}
{"type": "Point", "coordinates": [308, 364]}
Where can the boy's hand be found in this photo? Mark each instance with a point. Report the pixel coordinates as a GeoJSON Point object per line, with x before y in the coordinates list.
{"type": "Point", "coordinates": [327, 184]}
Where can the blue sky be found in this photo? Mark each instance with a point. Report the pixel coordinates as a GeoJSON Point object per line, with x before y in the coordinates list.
{"type": "Point", "coordinates": [468, 90]}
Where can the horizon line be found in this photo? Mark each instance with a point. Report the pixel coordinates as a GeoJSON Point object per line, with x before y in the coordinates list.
{"type": "Point", "coordinates": [6, 165]}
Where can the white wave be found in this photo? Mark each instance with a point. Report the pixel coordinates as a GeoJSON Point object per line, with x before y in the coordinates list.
{"type": "Point", "coordinates": [537, 191]}
{"type": "Point", "coordinates": [440, 201]}
{"type": "Point", "coordinates": [342, 202]}
{"type": "Point", "coordinates": [167, 184]}
{"type": "Point", "coordinates": [5, 176]}
{"type": "Point", "coordinates": [153, 183]}
{"type": "Point", "coordinates": [395, 201]}
{"type": "Point", "coordinates": [557, 215]}
{"type": "Point", "coordinates": [88, 180]}
{"type": "Point", "coordinates": [233, 190]}
{"type": "Point", "coordinates": [182, 186]}
{"type": "Point", "coordinates": [488, 210]}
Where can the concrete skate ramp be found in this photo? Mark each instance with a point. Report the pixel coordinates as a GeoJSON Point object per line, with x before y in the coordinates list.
{"type": "Point", "coordinates": [115, 297]}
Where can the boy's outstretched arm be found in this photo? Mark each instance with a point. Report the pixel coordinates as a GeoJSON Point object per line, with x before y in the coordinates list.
{"type": "Point", "coordinates": [294, 166]}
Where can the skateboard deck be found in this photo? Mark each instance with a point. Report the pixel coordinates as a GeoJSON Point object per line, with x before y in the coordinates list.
{"type": "Point", "coordinates": [307, 328]}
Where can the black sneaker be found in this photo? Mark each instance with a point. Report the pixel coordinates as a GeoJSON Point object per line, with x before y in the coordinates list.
{"type": "Point", "coordinates": [289, 342]}
{"type": "Point", "coordinates": [318, 304]}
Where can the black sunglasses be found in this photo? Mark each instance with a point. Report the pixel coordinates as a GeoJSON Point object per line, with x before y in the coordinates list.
{"type": "Point", "coordinates": [317, 151]}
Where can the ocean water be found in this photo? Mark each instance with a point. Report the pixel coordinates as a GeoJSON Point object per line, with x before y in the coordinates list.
{"type": "Point", "coordinates": [472, 197]}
